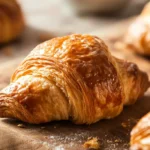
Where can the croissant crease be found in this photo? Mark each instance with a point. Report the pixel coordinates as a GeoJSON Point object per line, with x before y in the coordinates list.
{"type": "Point", "coordinates": [140, 135]}
{"type": "Point", "coordinates": [72, 77]}
{"type": "Point", "coordinates": [137, 38]}
{"type": "Point", "coordinates": [11, 20]}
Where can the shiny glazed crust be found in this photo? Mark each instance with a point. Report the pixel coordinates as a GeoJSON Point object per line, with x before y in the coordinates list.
{"type": "Point", "coordinates": [72, 77]}
{"type": "Point", "coordinates": [140, 135]}
{"type": "Point", "coordinates": [11, 20]}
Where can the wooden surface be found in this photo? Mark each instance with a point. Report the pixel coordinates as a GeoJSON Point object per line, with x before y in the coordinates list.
{"type": "Point", "coordinates": [113, 134]}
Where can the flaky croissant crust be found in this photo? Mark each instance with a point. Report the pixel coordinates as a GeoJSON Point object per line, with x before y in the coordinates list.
{"type": "Point", "coordinates": [140, 135]}
{"type": "Point", "coordinates": [137, 38]}
{"type": "Point", "coordinates": [72, 77]}
{"type": "Point", "coordinates": [11, 20]}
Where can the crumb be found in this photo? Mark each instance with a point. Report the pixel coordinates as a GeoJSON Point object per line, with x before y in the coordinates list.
{"type": "Point", "coordinates": [123, 124]}
{"type": "Point", "coordinates": [108, 141]}
{"type": "Point", "coordinates": [89, 138]}
{"type": "Point", "coordinates": [54, 127]}
{"type": "Point", "coordinates": [21, 125]}
{"type": "Point", "coordinates": [116, 141]}
{"type": "Point", "coordinates": [92, 143]}
{"type": "Point", "coordinates": [8, 51]}
{"type": "Point", "coordinates": [45, 36]}
{"type": "Point", "coordinates": [42, 127]}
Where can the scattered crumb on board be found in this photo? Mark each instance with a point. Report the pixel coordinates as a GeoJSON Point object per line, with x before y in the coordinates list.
{"type": "Point", "coordinates": [123, 124]}
{"type": "Point", "coordinates": [21, 125]}
{"type": "Point", "coordinates": [42, 127]}
{"type": "Point", "coordinates": [92, 143]}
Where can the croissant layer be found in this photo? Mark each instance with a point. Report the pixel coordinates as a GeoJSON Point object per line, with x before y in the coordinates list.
{"type": "Point", "coordinates": [72, 77]}
{"type": "Point", "coordinates": [140, 135]}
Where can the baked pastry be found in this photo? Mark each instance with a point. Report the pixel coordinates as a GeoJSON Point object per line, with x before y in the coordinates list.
{"type": "Point", "coordinates": [140, 135]}
{"type": "Point", "coordinates": [72, 77]}
{"type": "Point", "coordinates": [137, 38]}
{"type": "Point", "coordinates": [11, 20]}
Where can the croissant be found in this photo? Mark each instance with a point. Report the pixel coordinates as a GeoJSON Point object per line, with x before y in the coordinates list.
{"type": "Point", "coordinates": [137, 38]}
{"type": "Point", "coordinates": [72, 77]}
{"type": "Point", "coordinates": [140, 135]}
{"type": "Point", "coordinates": [11, 20]}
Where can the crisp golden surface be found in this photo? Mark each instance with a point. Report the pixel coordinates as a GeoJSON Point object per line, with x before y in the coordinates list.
{"type": "Point", "coordinates": [11, 20]}
{"type": "Point", "coordinates": [72, 77]}
{"type": "Point", "coordinates": [137, 38]}
{"type": "Point", "coordinates": [140, 135]}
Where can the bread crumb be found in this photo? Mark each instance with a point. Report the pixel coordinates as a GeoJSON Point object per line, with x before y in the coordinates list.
{"type": "Point", "coordinates": [21, 125]}
{"type": "Point", "coordinates": [42, 127]}
{"type": "Point", "coordinates": [92, 143]}
{"type": "Point", "coordinates": [123, 124]}
{"type": "Point", "coordinates": [109, 141]}
{"type": "Point", "coordinates": [117, 141]}
{"type": "Point", "coordinates": [89, 138]}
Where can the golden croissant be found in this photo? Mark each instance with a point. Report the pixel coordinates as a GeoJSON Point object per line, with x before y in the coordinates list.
{"type": "Point", "coordinates": [137, 38]}
{"type": "Point", "coordinates": [11, 20]}
{"type": "Point", "coordinates": [72, 77]}
{"type": "Point", "coordinates": [140, 135]}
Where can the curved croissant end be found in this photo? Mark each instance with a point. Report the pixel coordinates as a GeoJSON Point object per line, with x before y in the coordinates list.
{"type": "Point", "coordinates": [140, 135]}
{"type": "Point", "coordinates": [72, 77]}
{"type": "Point", "coordinates": [11, 108]}
{"type": "Point", "coordinates": [146, 10]}
{"type": "Point", "coordinates": [137, 38]}
{"type": "Point", "coordinates": [11, 20]}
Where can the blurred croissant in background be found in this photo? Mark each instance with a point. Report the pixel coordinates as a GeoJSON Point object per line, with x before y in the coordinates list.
{"type": "Point", "coordinates": [11, 20]}
{"type": "Point", "coordinates": [71, 78]}
{"type": "Point", "coordinates": [140, 135]}
{"type": "Point", "coordinates": [137, 38]}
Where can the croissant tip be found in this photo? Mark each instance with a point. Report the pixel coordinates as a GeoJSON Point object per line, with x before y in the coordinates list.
{"type": "Point", "coordinates": [5, 103]}
{"type": "Point", "coordinates": [3, 108]}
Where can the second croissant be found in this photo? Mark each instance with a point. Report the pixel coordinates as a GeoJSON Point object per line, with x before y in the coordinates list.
{"type": "Point", "coordinates": [11, 20]}
{"type": "Point", "coordinates": [137, 38]}
{"type": "Point", "coordinates": [71, 78]}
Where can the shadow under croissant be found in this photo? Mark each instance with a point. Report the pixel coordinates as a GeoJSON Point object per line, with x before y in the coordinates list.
{"type": "Point", "coordinates": [112, 134]}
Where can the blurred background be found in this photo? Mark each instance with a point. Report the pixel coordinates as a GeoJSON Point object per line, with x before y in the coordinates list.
{"type": "Point", "coordinates": [45, 19]}
{"type": "Point", "coordinates": [77, 16]}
